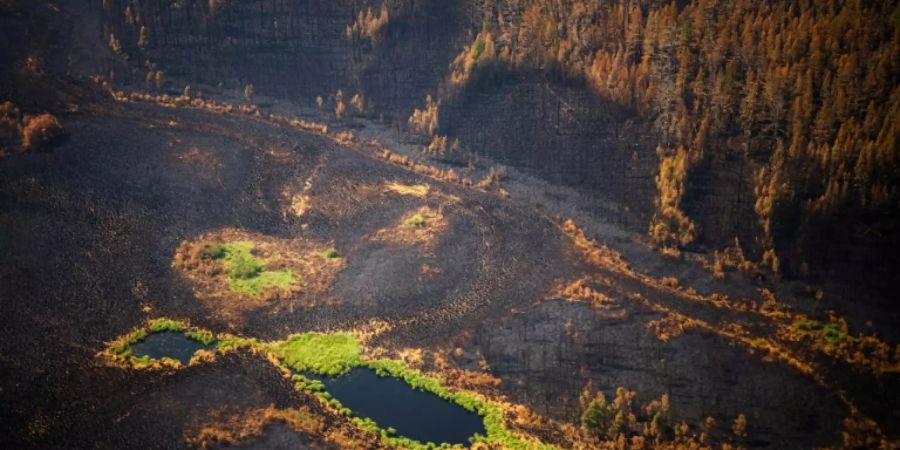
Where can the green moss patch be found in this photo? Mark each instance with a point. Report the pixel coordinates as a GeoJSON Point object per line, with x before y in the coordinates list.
{"type": "Point", "coordinates": [324, 354]}
{"type": "Point", "coordinates": [330, 253]}
{"type": "Point", "coordinates": [247, 274]}
{"type": "Point", "coordinates": [417, 220]}
{"type": "Point", "coordinates": [830, 334]}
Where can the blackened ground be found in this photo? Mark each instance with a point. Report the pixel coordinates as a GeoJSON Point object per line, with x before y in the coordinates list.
{"type": "Point", "coordinates": [88, 232]}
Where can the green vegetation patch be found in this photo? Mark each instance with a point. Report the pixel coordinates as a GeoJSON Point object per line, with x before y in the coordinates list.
{"type": "Point", "coordinates": [324, 354]}
{"type": "Point", "coordinates": [417, 220]}
{"type": "Point", "coordinates": [830, 333]}
{"type": "Point", "coordinates": [247, 274]}
{"type": "Point", "coordinates": [330, 253]}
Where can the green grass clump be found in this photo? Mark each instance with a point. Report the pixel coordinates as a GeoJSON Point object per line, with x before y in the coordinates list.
{"type": "Point", "coordinates": [245, 267]}
{"type": "Point", "coordinates": [306, 384]}
{"type": "Point", "coordinates": [828, 333]}
{"type": "Point", "coordinates": [324, 354]}
{"type": "Point", "coordinates": [256, 285]}
{"type": "Point", "coordinates": [203, 337]}
{"type": "Point", "coordinates": [247, 274]}
{"type": "Point", "coordinates": [213, 251]}
{"type": "Point", "coordinates": [417, 220]}
{"type": "Point", "coordinates": [122, 346]}
{"type": "Point", "coordinates": [330, 253]}
{"type": "Point", "coordinates": [235, 342]}
{"type": "Point", "coordinates": [159, 325]}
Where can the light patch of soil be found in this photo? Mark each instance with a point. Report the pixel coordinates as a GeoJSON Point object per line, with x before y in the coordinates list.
{"type": "Point", "coordinates": [212, 286]}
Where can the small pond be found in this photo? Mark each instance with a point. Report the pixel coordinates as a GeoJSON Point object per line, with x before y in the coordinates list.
{"type": "Point", "coordinates": [168, 344]}
{"type": "Point", "coordinates": [391, 402]}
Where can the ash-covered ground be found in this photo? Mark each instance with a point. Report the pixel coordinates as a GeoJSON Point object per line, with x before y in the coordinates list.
{"type": "Point", "coordinates": [90, 230]}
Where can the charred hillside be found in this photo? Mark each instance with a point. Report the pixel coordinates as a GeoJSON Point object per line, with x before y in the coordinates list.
{"type": "Point", "coordinates": [592, 224]}
{"type": "Point", "coordinates": [294, 49]}
{"type": "Point", "coordinates": [727, 121]}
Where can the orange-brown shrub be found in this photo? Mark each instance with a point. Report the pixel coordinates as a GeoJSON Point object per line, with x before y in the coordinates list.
{"type": "Point", "coordinates": [39, 131]}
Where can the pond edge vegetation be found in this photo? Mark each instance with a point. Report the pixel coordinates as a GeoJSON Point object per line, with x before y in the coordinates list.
{"type": "Point", "coordinates": [326, 354]}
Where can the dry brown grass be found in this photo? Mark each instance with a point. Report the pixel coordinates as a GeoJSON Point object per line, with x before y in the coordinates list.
{"type": "Point", "coordinates": [777, 344]}
{"type": "Point", "coordinates": [602, 256]}
{"type": "Point", "coordinates": [375, 149]}
{"type": "Point", "coordinates": [580, 290]}
{"type": "Point", "coordinates": [418, 227]}
{"type": "Point", "coordinates": [229, 427]}
{"type": "Point", "coordinates": [449, 175]}
{"type": "Point", "coordinates": [480, 381]}
{"type": "Point", "coordinates": [299, 204]}
{"type": "Point", "coordinates": [671, 282]}
{"type": "Point", "coordinates": [493, 178]}
{"type": "Point", "coordinates": [670, 326]}
{"type": "Point", "coordinates": [414, 190]}
{"type": "Point", "coordinates": [345, 137]}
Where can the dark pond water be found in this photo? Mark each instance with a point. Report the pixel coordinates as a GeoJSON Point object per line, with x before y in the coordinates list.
{"type": "Point", "coordinates": [391, 402]}
{"type": "Point", "coordinates": [168, 344]}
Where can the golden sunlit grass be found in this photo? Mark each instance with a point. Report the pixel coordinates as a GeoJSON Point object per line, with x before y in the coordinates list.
{"type": "Point", "coordinates": [239, 427]}
{"type": "Point", "coordinates": [226, 427]}
{"type": "Point", "coordinates": [299, 204]}
{"type": "Point", "coordinates": [414, 190]}
{"type": "Point", "coordinates": [579, 290]}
